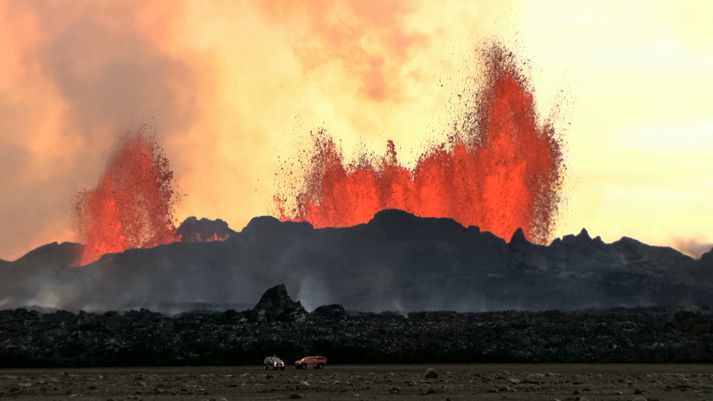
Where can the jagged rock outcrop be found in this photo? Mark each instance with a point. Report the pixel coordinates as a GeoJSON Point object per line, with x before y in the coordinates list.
{"type": "Point", "coordinates": [518, 238]}
{"type": "Point", "coordinates": [204, 230]}
{"type": "Point", "coordinates": [276, 305]}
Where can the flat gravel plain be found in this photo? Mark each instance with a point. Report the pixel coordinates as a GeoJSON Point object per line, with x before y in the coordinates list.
{"type": "Point", "coordinates": [366, 382]}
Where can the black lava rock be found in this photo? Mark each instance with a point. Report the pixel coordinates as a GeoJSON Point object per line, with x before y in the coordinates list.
{"type": "Point", "coordinates": [35, 339]}
{"type": "Point", "coordinates": [276, 305]}
{"type": "Point", "coordinates": [333, 311]}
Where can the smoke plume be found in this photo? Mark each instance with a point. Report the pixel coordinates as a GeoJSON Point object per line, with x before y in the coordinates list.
{"type": "Point", "coordinates": [694, 247]}
{"type": "Point", "coordinates": [75, 77]}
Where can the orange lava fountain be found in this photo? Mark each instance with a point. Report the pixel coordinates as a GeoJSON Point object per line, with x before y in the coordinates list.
{"type": "Point", "coordinates": [132, 206]}
{"type": "Point", "coordinates": [500, 173]}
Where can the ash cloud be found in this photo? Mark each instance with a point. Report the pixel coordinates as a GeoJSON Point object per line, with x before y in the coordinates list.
{"type": "Point", "coordinates": [369, 39]}
{"type": "Point", "coordinates": [109, 71]}
{"type": "Point", "coordinates": [75, 77]}
{"type": "Point", "coordinates": [695, 247]}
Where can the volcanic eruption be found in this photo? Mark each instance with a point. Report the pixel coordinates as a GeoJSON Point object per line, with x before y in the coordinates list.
{"type": "Point", "coordinates": [501, 171]}
{"type": "Point", "coordinates": [132, 206]}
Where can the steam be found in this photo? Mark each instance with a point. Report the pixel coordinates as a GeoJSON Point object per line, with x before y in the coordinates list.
{"type": "Point", "coordinates": [694, 247]}
{"type": "Point", "coordinates": [74, 78]}
{"type": "Point", "coordinates": [367, 39]}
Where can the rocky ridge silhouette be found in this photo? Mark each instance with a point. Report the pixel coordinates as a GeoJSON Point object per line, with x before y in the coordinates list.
{"type": "Point", "coordinates": [396, 262]}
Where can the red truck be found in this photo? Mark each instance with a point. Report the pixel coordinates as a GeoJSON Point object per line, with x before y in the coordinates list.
{"type": "Point", "coordinates": [317, 362]}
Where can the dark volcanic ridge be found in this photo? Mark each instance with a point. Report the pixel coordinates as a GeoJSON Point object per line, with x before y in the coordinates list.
{"type": "Point", "coordinates": [278, 325]}
{"type": "Point", "coordinates": [396, 262]}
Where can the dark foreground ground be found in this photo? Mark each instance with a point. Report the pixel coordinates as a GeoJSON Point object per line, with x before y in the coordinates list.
{"type": "Point", "coordinates": [366, 382]}
{"type": "Point", "coordinates": [30, 339]}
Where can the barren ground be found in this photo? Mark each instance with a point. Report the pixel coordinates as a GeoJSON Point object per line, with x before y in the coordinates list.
{"type": "Point", "coordinates": [366, 382]}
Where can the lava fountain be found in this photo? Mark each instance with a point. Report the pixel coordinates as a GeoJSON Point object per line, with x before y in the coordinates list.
{"type": "Point", "coordinates": [132, 206]}
{"type": "Point", "coordinates": [501, 172]}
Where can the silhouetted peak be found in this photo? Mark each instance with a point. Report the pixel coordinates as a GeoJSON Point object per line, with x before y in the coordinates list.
{"type": "Point", "coordinates": [628, 242]}
{"type": "Point", "coordinates": [276, 305]}
{"type": "Point", "coordinates": [398, 222]}
{"type": "Point", "coordinates": [275, 294]}
{"type": "Point", "coordinates": [584, 234]}
{"type": "Point", "coordinates": [204, 230]}
{"type": "Point", "coordinates": [518, 237]}
{"type": "Point", "coordinates": [66, 253]}
{"type": "Point", "coordinates": [389, 217]}
{"type": "Point", "coordinates": [261, 221]}
{"type": "Point", "coordinates": [269, 225]}
{"type": "Point", "coordinates": [581, 238]}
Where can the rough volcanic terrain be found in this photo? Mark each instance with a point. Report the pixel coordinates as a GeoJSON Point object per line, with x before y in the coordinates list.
{"type": "Point", "coordinates": [395, 262]}
{"type": "Point", "coordinates": [279, 325]}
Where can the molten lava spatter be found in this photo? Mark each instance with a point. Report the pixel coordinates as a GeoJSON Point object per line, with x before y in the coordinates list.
{"type": "Point", "coordinates": [132, 205]}
{"type": "Point", "coordinates": [501, 173]}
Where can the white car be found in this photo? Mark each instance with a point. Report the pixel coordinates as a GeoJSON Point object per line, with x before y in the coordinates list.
{"type": "Point", "coordinates": [274, 363]}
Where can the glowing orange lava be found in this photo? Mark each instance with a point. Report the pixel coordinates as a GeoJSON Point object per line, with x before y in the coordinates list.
{"type": "Point", "coordinates": [132, 205]}
{"type": "Point", "coordinates": [499, 173]}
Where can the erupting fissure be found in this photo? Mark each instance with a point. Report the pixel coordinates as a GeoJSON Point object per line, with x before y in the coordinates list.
{"type": "Point", "coordinates": [132, 206]}
{"type": "Point", "coordinates": [502, 172]}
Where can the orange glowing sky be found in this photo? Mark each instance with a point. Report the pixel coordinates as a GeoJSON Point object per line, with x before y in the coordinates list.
{"type": "Point", "coordinates": [234, 87]}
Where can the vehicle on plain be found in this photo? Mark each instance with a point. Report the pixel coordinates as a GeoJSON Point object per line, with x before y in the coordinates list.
{"type": "Point", "coordinates": [315, 361]}
{"type": "Point", "coordinates": [274, 363]}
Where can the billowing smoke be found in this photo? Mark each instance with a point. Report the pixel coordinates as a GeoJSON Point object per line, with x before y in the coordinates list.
{"type": "Point", "coordinates": [74, 77]}
{"type": "Point", "coordinates": [694, 247]}
{"type": "Point", "coordinates": [370, 39]}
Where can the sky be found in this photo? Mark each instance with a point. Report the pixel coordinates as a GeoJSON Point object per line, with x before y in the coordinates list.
{"type": "Point", "coordinates": [233, 89]}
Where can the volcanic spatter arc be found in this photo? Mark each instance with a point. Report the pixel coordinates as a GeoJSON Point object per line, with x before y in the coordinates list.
{"type": "Point", "coordinates": [132, 205]}
{"type": "Point", "coordinates": [501, 173]}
